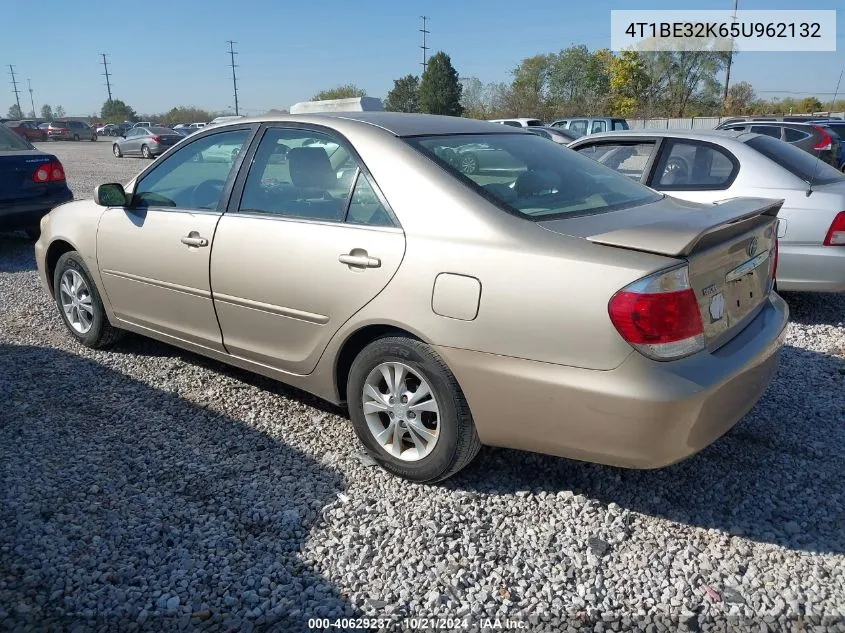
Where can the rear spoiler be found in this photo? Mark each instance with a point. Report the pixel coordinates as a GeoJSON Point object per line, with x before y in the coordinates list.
{"type": "Point", "coordinates": [681, 235]}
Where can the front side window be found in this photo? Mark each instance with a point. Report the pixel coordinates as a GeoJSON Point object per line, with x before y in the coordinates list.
{"type": "Point", "coordinates": [694, 166]}
{"type": "Point", "coordinates": [531, 177]}
{"type": "Point", "coordinates": [194, 176]}
{"type": "Point", "coordinates": [629, 159]}
{"type": "Point", "coordinates": [598, 126]}
{"type": "Point", "coordinates": [620, 124]}
{"type": "Point", "coordinates": [299, 174]}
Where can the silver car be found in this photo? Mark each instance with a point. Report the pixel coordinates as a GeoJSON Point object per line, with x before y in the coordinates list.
{"type": "Point", "coordinates": [145, 141]}
{"type": "Point", "coordinates": [711, 166]}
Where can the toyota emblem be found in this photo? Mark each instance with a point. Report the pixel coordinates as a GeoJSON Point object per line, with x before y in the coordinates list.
{"type": "Point", "coordinates": [752, 247]}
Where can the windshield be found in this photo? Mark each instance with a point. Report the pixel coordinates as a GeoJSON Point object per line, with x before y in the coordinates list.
{"type": "Point", "coordinates": [796, 161]}
{"type": "Point", "coordinates": [11, 142]}
{"type": "Point", "coordinates": [528, 176]}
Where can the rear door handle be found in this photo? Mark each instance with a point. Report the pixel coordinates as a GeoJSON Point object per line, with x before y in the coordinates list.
{"type": "Point", "coordinates": [359, 261]}
{"type": "Point", "coordinates": [193, 239]}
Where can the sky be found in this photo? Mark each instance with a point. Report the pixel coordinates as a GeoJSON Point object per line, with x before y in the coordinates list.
{"type": "Point", "coordinates": [175, 52]}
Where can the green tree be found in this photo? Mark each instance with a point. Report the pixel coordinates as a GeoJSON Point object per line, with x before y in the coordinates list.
{"type": "Point", "coordinates": [530, 85]}
{"type": "Point", "coordinates": [405, 95]}
{"type": "Point", "coordinates": [60, 111]}
{"type": "Point", "coordinates": [117, 110]}
{"type": "Point", "coordinates": [475, 98]}
{"type": "Point", "coordinates": [679, 77]}
{"type": "Point", "coordinates": [440, 90]}
{"type": "Point", "coordinates": [740, 98]}
{"type": "Point", "coordinates": [185, 114]}
{"type": "Point", "coordinates": [47, 112]}
{"type": "Point", "coordinates": [346, 91]}
{"type": "Point", "coordinates": [629, 83]}
{"type": "Point", "coordinates": [15, 112]}
{"type": "Point", "coordinates": [810, 105]}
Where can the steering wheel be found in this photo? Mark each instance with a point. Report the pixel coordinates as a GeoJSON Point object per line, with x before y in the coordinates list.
{"type": "Point", "coordinates": [676, 164]}
{"type": "Point", "coordinates": [207, 194]}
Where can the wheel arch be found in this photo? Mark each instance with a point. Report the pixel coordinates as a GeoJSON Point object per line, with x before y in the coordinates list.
{"type": "Point", "coordinates": [356, 342]}
{"type": "Point", "coordinates": [56, 249]}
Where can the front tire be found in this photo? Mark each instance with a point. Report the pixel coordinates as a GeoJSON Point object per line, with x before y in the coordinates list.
{"type": "Point", "coordinates": [409, 411]}
{"type": "Point", "coordinates": [116, 151]}
{"type": "Point", "coordinates": [80, 305]}
{"type": "Point", "coordinates": [76, 137]}
{"type": "Point", "coordinates": [145, 152]}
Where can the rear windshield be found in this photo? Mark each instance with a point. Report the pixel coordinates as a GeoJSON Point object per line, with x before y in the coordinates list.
{"type": "Point", "coordinates": [161, 130]}
{"type": "Point", "coordinates": [11, 142]}
{"type": "Point", "coordinates": [796, 161]}
{"type": "Point", "coordinates": [526, 175]}
{"type": "Point", "coordinates": [534, 123]}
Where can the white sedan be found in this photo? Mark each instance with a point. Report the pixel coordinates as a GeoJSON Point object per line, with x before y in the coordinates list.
{"type": "Point", "coordinates": [711, 166]}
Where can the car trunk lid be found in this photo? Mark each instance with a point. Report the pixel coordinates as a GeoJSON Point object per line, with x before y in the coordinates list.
{"type": "Point", "coordinates": [16, 172]}
{"type": "Point", "coordinates": [728, 248]}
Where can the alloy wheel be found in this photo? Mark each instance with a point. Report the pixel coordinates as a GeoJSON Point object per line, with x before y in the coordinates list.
{"type": "Point", "coordinates": [76, 301]}
{"type": "Point", "coordinates": [401, 411]}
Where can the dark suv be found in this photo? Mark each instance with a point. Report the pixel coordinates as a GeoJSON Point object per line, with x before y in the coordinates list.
{"type": "Point", "coordinates": [819, 140]}
{"type": "Point", "coordinates": [66, 130]}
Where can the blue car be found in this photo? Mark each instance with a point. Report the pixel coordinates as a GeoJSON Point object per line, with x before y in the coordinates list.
{"type": "Point", "coordinates": [31, 183]}
{"type": "Point", "coordinates": [837, 126]}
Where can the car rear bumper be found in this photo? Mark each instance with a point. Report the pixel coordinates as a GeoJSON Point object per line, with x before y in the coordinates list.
{"type": "Point", "coordinates": [811, 268]}
{"type": "Point", "coordinates": [643, 414]}
{"type": "Point", "coordinates": [20, 215]}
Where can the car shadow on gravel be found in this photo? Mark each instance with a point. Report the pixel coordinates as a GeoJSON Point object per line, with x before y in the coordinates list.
{"type": "Point", "coordinates": [814, 308]}
{"type": "Point", "coordinates": [17, 253]}
{"type": "Point", "coordinates": [776, 477]}
{"type": "Point", "coordinates": [122, 504]}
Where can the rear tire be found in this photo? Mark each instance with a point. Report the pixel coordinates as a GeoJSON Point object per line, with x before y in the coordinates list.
{"type": "Point", "coordinates": [468, 163]}
{"type": "Point", "coordinates": [455, 441]}
{"type": "Point", "coordinates": [145, 152]}
{"type": "Point", "coordinates": [85, 318]}
{"type": "Point", "coordinates": [76, 137]}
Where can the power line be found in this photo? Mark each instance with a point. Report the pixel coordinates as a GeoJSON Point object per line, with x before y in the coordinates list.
{"type": "Point", "coordinates": [15, 87]}
{"type": "Point", "coordinates": [106, 66]}
{"type": "Point", "coordinates": [232, 54]}
{"type": "Point", "coordinates": [31, 97]}
{"type": "Point", "coordinates": [424, 47]}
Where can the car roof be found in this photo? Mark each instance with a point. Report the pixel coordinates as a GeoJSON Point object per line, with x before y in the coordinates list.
{"type": "Point", "coordinates": [397, 123]}
{"type": "Point", "coordinates": [703, 135]}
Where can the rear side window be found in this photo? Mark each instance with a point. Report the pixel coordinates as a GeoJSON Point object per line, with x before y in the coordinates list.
{"type": "Point", "coordinates": [768, 130]}
{"type": "Point", "coordinates": [598, 126]}
{"type": "Point", "coordinates": [802, 164]}
{"type": "Point", "coordinates": [534, 123]}
{"type": "Point", "coordinates": [630, 159]}
{"type": "Point", "coordinates": [695, 166]}
{"type": "Point", "coordinates": [620, 124]}
{"type": "Point", "coordinates": [793, 135]}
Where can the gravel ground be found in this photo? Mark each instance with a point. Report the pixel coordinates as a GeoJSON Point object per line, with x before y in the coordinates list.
{"type": "Point", "coordinates": [148, 488]}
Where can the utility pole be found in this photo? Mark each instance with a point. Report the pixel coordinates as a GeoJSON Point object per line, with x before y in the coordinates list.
{"type": "Point", "coordinates": [31, 97]}
{"type": "Point", "coordinates": [106, 66]}
{"type": "Point", "coordinates": [730, 61]}
{"type": "Point", "coordinates": [232, 54]}
{"type": "Point", "coordinates": [424, 47]}
{"type": "Point", "coordinates": [15, 87]}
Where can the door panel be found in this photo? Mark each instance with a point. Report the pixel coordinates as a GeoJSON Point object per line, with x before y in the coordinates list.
{"type": "Point", "coordinates": [281, 291]}
{"type": "Point", "coordinates": [154, 280]}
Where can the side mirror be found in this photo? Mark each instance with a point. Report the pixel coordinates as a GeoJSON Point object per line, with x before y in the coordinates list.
{"type": "Point", "coordinates": [110, 195]}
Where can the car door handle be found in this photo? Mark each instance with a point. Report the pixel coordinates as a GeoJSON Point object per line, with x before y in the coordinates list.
{"type": "Point", "coordinates": [359, 261]}
{"type": "Point", "coordinates": [194, 240]}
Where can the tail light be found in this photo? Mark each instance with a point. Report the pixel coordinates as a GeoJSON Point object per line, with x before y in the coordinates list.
{"type": "Point", "coordinates": [49, 172]}
{"type": "Point", "coordinates": [659, 316]}
{"type": "Point", "coordinates": [836, 233]}
{"type": "Point", "coordinates": [826, 143]}
{"type": "Point", "coordinates": [156, 139]}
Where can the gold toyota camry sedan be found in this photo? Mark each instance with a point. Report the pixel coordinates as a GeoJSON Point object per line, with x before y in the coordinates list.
{"type": "Point", "coordinates": [453, 282]}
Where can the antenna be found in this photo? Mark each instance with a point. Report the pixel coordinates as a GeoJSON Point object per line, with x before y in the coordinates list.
{"type": "Point", "coordinates": [15, 87]}
{"type": "Point", "coordinates": [424, 47]}
{"type": "Point", "coordinates": [232, 53]}
{"type": "Point", "coordinates": [31, 97]}
{"type": "Point", "coordinates": [818, 152]}
{"type": "Point", "coordinates": [106, 66]}
{"type": "Point", "coordinates": [730, 62]}
{"type": "Point", "coordinates": [835, 94]}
